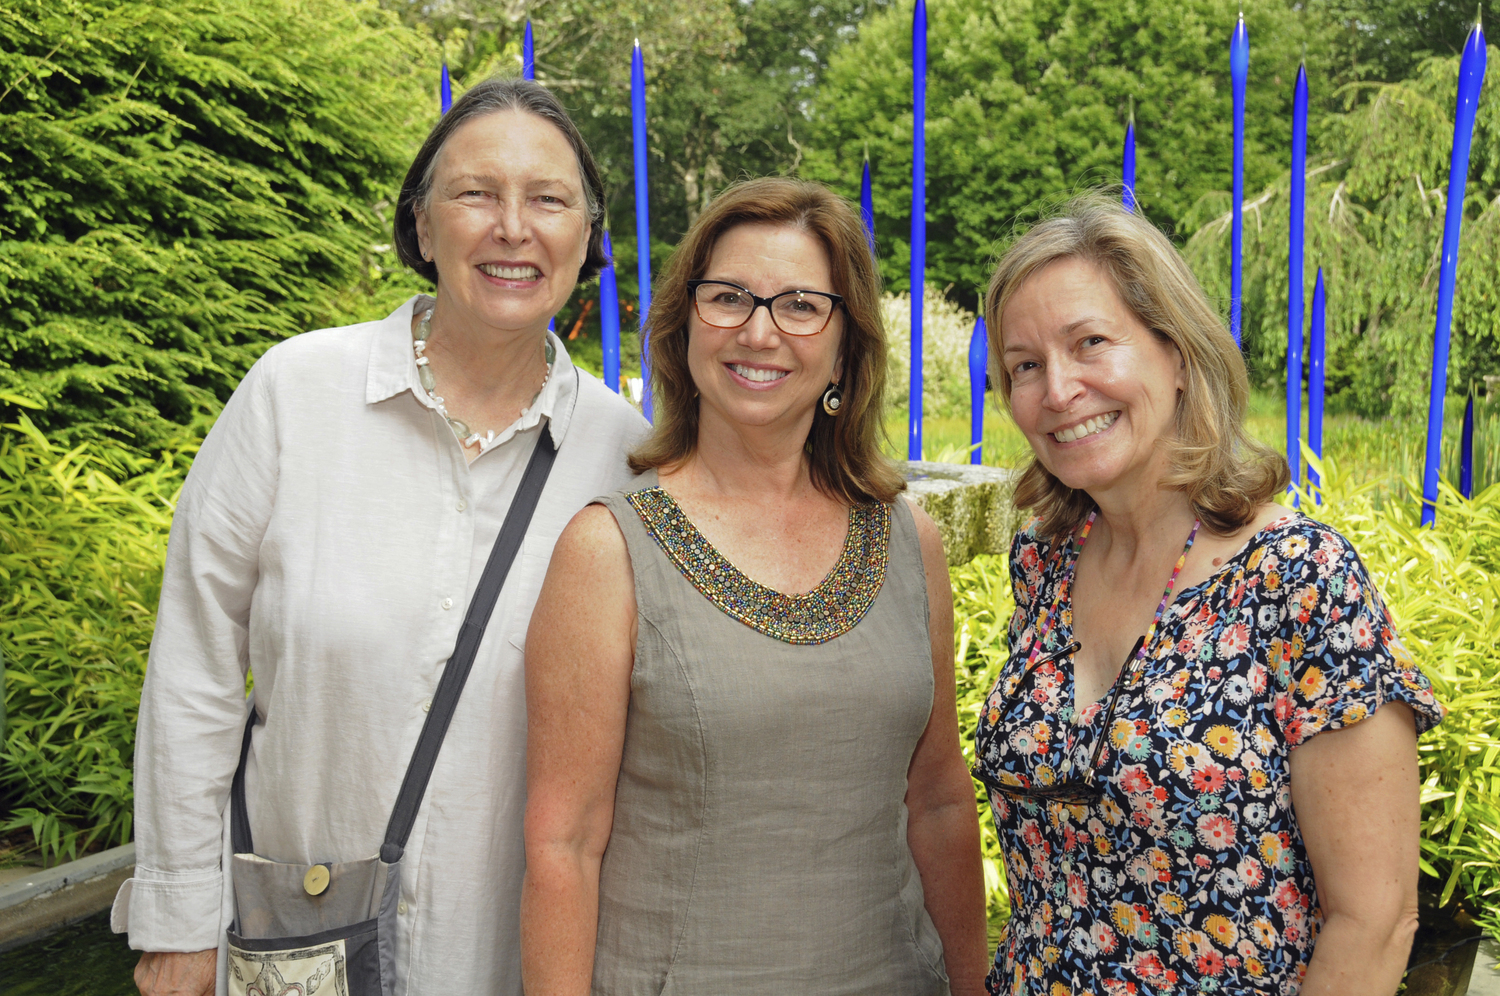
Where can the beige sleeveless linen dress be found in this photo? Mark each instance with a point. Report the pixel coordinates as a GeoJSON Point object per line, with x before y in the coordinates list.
{"type": "Point", "coordinates": [759, 840]}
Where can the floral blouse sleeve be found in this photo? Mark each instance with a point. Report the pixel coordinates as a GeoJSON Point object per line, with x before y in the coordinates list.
{"type": "Point", "coordinates": [1335, 657]}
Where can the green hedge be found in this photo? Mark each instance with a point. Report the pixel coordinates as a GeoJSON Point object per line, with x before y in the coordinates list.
{"type": "Point", "coordinates": [183, 185]}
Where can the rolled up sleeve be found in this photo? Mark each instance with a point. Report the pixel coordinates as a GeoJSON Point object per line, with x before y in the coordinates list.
{"type": "Point", "coordinates": [193, 701]}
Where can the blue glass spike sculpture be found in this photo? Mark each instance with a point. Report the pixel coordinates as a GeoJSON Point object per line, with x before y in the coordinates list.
{"type": "Point", "coordinates": [1127, 167]}
{"type": "Point", "coordinates": [979, 362]}
{"type": "Point", "coordinates": [528, 55]}
{"type": "Point", "coordinates": [609, 318]}
{"type": "Point", "coordinates": [918, 221]}
{"type": "Point", "coordinates": [445, 90]}
{"type": "Point", "coordinates": [867, 205]}
{"type": "Point", "coordinates": [1239, 72]}
{"type": "Point", "coordinates": [1294, 313]}
{"type": "Point", "coordinates": [1315, 386]}
{"type": "Point", "coordinates": [1470, 79]}
{"type": "Point", "coordinates": [1466, 451]}
{"type": "Point", "coordinates": [642, 213]}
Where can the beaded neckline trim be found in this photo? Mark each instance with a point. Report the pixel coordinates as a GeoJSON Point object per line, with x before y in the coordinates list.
{"type": "Point", "coordinates": [830, 610]}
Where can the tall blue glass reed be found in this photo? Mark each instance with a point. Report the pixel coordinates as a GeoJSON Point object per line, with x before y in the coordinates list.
{"type": "Point", "coordinates": [642, 213]}
{"type": "Point", "coordinates": [979, 361]}
{"type": "Point", "coordinates": [1466, 451]}
{"type": "Point", "coordinates": [1127, 167]}
{"type": "Point", "coordinates": [1294, 312]}
{"type": "Point", "coordinates": [918, 221]}
{"type": "Point", "coordinates": [445, 90]}
{"type": "Point", "coordinates": [609, 318]}
{"type": "Point", "coordinates": [528, 55]}
{"type": "Point", "coordinates": [1315, 385]}
{"type": "Point", "coordinates": [1239, 72]}
{"type": "Point", "coordinates": [1470, 79]}
{"type": "Point", "coordinates": [867, 205]}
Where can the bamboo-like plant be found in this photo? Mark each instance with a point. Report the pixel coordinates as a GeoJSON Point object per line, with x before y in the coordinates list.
{"type": "Point", "coordinates": [83, 534]}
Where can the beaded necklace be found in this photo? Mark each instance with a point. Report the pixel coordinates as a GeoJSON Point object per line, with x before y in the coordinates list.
{"type": "Point", "coordinates": [466, 437]}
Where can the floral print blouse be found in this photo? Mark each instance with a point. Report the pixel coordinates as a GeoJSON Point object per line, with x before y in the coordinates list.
{"type": "Point", "coordinates": [1189, 875]}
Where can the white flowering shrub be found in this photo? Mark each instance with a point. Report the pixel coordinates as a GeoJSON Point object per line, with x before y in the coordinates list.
{"type": "Point", "coordinates": [946, 329]}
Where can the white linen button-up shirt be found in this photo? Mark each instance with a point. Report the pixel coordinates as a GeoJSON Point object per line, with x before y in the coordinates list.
{"type": "Point", "coordinates": [327, 540]}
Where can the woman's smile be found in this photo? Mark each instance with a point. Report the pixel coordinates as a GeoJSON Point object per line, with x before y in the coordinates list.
{"type": "Point", "coordinates": [756, 377]}
{"type": "Point", "coordinates": [515, 275]}
{"type": "Point", "coordinates": [1089, 428]}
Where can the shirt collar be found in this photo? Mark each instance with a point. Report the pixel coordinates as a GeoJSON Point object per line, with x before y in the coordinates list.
{"type": "Point", "coordinates": [393, 370]}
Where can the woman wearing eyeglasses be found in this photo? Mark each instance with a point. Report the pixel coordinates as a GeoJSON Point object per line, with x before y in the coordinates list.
{"type": "Point", "coordinates": [744, 770]}
{"type": "Point", "coordinates": [1201, 754]}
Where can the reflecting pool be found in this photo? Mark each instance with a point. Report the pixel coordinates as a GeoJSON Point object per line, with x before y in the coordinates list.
{"type": "Point", "coordinates": [82, 960]}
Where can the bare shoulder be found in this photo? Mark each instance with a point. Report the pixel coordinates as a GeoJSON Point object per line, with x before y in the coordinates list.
{"type": "Point", "coordinates": [934, 557]}
{"type": "Point", "coordinates": [589, 590]}
{"type": "Point", "coordinates": [591, 545]}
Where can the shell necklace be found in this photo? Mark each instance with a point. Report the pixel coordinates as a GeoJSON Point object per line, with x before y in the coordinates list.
{"type": "Point", "coordinates": [466, 436]}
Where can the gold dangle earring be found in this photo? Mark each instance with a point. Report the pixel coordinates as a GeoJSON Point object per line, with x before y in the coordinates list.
{"type": "Point", "coordinates": [833, 399]}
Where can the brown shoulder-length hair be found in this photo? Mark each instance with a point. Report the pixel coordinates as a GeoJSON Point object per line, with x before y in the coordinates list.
{"type": "Point", "coordinates": [843, 449]}
{"type": "Point", "coordinates": [1225, 474]}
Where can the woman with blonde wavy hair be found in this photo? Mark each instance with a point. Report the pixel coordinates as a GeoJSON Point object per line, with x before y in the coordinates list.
{"type": "Point", "coordinates": [1201, 754]}
{"type": "Point", "coordinates": [744, 770]}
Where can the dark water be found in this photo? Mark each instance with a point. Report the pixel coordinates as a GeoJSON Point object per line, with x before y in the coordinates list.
{"type": "Point", "coordinates": [82, 960]}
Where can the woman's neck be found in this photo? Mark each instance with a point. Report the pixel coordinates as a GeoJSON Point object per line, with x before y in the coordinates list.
{"type": "Point", "coordinates": [1141, 522]}
{"type": "Point", "coordinates": [485, 366]}
{"type": "Point", "coordinates": [750, 462]}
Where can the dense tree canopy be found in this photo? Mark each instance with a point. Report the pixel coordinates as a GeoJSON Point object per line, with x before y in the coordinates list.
{"type": "Point", "coordinates": [1028, 101]}
{"type": "Point", "coordinates": [184, 184]}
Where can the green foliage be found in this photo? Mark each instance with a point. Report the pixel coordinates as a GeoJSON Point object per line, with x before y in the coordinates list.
{"type": "Point", "coordinates": [83, 534]}
{"type": "Point", "coordinates": [1375, 205]}
{"type": "Point", "coordinates": [1029, 100]}
{"type": "Point", "coordinates": [1388, 39]}
{"type": "Point", "coordinates": [982, 607]}
{"type": "Point", "coordinates": [1442, 586]}
{"type": "Point", "coordinates": [183, 185]}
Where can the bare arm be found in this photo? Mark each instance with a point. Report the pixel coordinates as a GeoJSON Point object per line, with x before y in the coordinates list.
{"type": "Point", "coordinates": [1355, 792]}
{"type": "Point", "coordinates": [943, 829]}
{"type": "Point", "coordinates": [579, 653]}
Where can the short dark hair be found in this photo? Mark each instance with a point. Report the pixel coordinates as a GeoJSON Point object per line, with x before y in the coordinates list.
{"type": "Point", "coordinates": [843, 451]}
{"type": "Point", "coordinates": [497, 94]}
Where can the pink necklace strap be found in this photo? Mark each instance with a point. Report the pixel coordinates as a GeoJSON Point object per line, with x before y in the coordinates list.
{"type": "Point", "coordinates": [1044, 626]}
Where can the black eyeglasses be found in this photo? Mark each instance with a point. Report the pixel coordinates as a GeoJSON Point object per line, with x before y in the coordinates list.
{"type": "Point", "coordinates": [1086, 789]}
{"type": "Point", "coordinates": [795, 312]}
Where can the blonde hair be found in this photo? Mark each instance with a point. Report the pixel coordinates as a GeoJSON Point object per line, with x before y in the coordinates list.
{"type": "Point", "coordinates": [1225, 474]}
{"type": "Point", "coordinates": [843, 450]}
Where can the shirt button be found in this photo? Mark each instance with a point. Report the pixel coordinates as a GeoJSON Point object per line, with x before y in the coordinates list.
{"type": "Point", "coordinates": [426, 705]}
{"type": "Point", "coordinates": [461, 505]}
{"type": "Point", "coordinates": [401, 907]}
{"type": "Point", "coordinates": [447, 603]}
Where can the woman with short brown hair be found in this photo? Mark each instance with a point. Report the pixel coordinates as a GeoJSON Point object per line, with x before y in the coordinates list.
{"type": "Point", "coordinates": [753, 786]}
